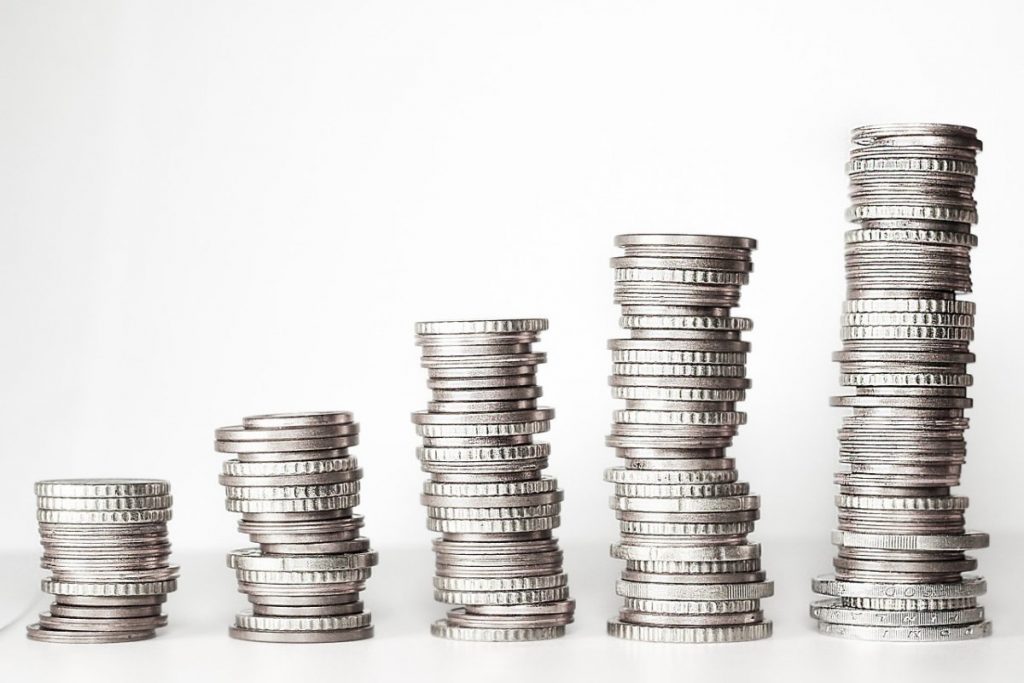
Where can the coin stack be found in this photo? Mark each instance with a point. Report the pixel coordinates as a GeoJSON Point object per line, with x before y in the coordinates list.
{"type": "Point", "coordinates": [901, 536]}
{"type": "Point", "coordinates": [691, 575]}
{"type": "Point", "coordinates": [487, 496]}
{"type": "Point", "coordinates": [296, 485]}
{"type": "Point", "coordinates": [105, 546]}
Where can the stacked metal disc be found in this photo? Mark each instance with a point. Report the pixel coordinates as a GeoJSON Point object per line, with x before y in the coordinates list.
{"type": "Point", "coordinates": [487, 496]}
{"type": "Point", "coordinates": [106, 548]}
{"type": "Point", "coordinates": [901, 536]}
{"type": "Point", "coordinates": [691, 575]}
{"type": "Point", "coordinates": [296, 486]}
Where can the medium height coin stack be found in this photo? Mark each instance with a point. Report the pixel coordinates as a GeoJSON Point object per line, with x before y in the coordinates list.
{"type": "Point", "coordinates": [691, 575]}
{"type": "Point", "coordinates": [901, 536]}
{"type": "Point", "coordinates": [105, 546]}
{"type": "Point", "coordinates": [296, 486]}
{"type": "Point", "coordinates": [487, 495]}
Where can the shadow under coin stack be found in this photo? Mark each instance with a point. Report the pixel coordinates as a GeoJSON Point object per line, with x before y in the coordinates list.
{"type": "Point", "coordinates": [691, 575]}
{"type": "Point", "coordinates": [901, 537]}
{"type": "Point", "coordinates": [486, 495]}
{"type": "Point", "coordinates": [296, 486]}
{"type": "Point", "coordinates": [106, 548]}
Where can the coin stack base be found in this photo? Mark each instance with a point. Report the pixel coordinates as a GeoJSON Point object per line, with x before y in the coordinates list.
{"type": "Point", "coordinates": [899, 571]}
{"type": "Point", "coordinates": [487, 496]}
{"type": "Point", "coordinates": [105, 545]}
{"type": "Point", "coordinates": [691, 575]}
{"type": "Point", "coordinates": [296, 485]}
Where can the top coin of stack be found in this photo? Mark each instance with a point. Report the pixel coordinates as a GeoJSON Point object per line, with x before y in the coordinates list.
{"type": "Point", "coordinates": [691, 576]}
{"type": "Point", "coordinates": [901, 537]}
{"type": "Point", "coordinates": [487, 495]}
{"type": "Point", "coordinates": [296, 485]}
{"type": "Point", "coordinates": [105, 546]}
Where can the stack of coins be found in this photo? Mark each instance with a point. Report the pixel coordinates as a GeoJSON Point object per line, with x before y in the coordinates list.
{"type": "Point", "coordinates": [901, 536]}
{"type": "Point", "coordinates": [105, 546]}
{"type": "Point", "coordinates": [487, 495]}
{"type": "Point", "coordinates": [691, 576]}
{"type": "Point", "coordinates": [296, 485]}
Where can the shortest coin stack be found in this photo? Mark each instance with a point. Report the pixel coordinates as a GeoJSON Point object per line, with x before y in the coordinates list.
{"type": "Point", "coordinates": [106, 548]}
{"type": "Point", "coordinates": [296, 486]}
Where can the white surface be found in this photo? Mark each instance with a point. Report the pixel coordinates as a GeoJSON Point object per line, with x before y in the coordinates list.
{"type": "Point", "coordinates": [195, 645]}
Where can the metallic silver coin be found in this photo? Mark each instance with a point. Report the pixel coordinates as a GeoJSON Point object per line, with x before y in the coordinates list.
{"type": "Point", "coordinates": [301, 602]}
{"type": "Point", "coordinates": [442, 629]}
{"type": "Point", "coordinates": [345, 635]}
{"type": "Point", "coordinates": [356, 545]}
{"type": "Point", "coordinates": [506, 326]}
{"type": "Point", "coordinates": [251, 434]}
{"type": "Point", "coordinates": [251, 559]}
{"type": "Point", "coordinates": [101, 488]}
{"type": "Point", "coordinates": [459, 617]}
{"type": "Point", "coordinates": [252, 622]}
{"type": "Point", "coordinates": [511, 597]}
{"type": "Point", "coordinates": [286, 446]}
{"type": "Point", "coordinates": [690, 634]}
{"type": "Point", "coordinates": [691, 620]}
{"type": "Point", "coordinates": [45, 635]}
{"type": "Point", "coordinates": [833, 612]}
{"type": "Point", "coordinates": [125, 612]}
{"type": "Point", "coordinates": [293, 420]}
{"type": "Point", "coordinates": [908, 634]}
{"type": "Point", "coordinates": [970, 586]}
{"type": "Point", "coordinates": [695, 592]}
{"type": "Point", "coordinates": [102, 625]}
{"type": "Point", "coordinates": [560, 607]}
{"type": "Point", "coordinates": [111, 601]}
{"type": "Point", "coordinates": [333, 610]}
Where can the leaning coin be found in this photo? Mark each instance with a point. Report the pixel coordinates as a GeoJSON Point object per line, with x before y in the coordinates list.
{"type": "Point", "coordinates": [36, 632]}
{"type": "Point", "coordinates": [101, 625]}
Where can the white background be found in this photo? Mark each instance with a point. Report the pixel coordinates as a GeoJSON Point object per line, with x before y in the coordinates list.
{"type": "Point", "coordinates": [211, 209]}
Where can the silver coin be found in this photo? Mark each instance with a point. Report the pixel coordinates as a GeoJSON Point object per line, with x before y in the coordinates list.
{"type": "Point", "coordinates": [340, 636]}
{"type": "Point", "coordinates": [906, 634]}
{"type": "Point", "coordinates": [690, 634]}
{"type": "Point", "coordinates": [45, 635]}
{"type": "Point", "coordinates": [442, 629]}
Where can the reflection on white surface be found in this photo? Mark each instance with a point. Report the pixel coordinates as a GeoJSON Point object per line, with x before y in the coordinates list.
{"type": "Point", "coordinates": [195, 644]}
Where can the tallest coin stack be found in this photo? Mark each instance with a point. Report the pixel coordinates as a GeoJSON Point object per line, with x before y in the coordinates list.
{"type": "Point", "coordinates": [901, 536]}
{"type": "Point", "coordinates": [691, 576]}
